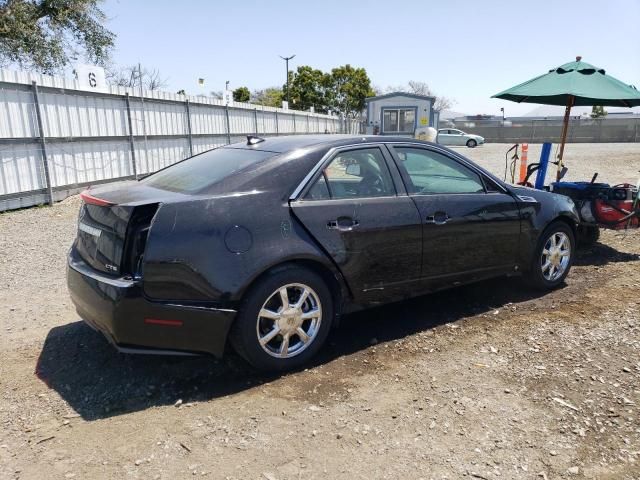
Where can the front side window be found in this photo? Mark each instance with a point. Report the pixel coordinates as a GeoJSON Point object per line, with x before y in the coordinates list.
{"type": "Point", "coordinates": [431, 172]}
{"type": "Point", "coordinates": [400, 120]}
{"type": "Point", "coordinates": [358, 173]}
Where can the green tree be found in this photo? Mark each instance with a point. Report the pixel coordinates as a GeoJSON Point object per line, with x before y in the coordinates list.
{"type": "Point", "coordinates": [349, 87]}
{"type": "Point", "coordinates": [343, 90]}
{"type": "Point", "coordinates": [309, 88]}
{"type": "Point", "coordinates": [241, 94]}
{"type": "Point", "coordinates": [598, 111]}
{"type": "Point", "coordinates": [47, 35]}
{"type": "Point", "coordinates": [269, 97]}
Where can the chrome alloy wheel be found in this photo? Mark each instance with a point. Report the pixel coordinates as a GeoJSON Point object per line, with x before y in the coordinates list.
{"type": "Point", "coordinates": [289, 320]}
{"type": "Point", "coordinates": [555, 257]}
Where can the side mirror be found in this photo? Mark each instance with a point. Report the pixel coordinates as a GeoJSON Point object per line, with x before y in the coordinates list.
{"type": "Point", "coordinates": [353, 169]}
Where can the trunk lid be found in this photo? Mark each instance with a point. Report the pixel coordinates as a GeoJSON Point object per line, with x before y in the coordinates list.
{"type": "Point", "coordinates": [113, 223]}
{"type": "Point", "coordinates": [102, 231]}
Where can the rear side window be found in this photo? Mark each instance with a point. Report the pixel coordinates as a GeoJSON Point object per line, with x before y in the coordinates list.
{"type": "Point", "coordinates": [361, 173]}
{"type": "Point", "coordinates": [431, 172]}
{"type": "Point", "coordinates": [202, 171]}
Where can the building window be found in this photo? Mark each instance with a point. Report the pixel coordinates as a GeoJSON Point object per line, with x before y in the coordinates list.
{"type": "Point", "coordinates": [398, 120]}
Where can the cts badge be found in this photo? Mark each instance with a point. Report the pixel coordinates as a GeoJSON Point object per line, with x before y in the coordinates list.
{"type": "Point", "coordinates": [89, 229]}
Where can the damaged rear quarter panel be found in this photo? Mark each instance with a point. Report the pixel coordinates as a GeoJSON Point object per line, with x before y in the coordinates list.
{"type": "Point", "coordinates": [188, 255]}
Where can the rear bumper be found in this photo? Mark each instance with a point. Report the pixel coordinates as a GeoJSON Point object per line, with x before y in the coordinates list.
{"type": "Point", "coordinates": [118, 308]}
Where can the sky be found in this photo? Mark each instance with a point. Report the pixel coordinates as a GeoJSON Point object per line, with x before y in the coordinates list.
{"type": "Point", "coordinates": [465, 50]}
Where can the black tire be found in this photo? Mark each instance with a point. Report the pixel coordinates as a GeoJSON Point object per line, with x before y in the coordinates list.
{"type": "Point", "coordinates": [244, 332]}
{"type": "Point", "coordinates": [535, 276]}
{"type": "Point", "coordinates": [588, 235]}
{"type": "Point", "coordinates": [471, 143]}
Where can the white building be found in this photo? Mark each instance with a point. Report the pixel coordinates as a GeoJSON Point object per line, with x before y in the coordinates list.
{"type": "Point", "coordinates": [400, 114]}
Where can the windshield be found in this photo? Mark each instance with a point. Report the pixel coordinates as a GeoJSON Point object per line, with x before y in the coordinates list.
{"type": "Point", "coordinates": [202, 171]}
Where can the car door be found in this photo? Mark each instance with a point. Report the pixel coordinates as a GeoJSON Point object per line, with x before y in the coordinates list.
{"type": "Point", "coordinates": [457, 137]}
{"type": "Point", "coordinates": [444, 138]}
{"type": "Point", "coordinates": [471, 225]}
{"type": "Point", "coordinates": [365, 222]}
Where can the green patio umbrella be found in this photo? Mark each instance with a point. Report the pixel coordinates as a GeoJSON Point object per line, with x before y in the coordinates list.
{"type": "Point", "coordinates": [573, 84]}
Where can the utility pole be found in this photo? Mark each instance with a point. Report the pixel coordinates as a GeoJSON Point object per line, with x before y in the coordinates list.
{"type": "Point", "coordinates": [286, 60]}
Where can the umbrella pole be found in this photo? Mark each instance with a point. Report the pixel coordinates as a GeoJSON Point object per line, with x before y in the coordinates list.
{"type": "Point", "coordinates": [563, 139]}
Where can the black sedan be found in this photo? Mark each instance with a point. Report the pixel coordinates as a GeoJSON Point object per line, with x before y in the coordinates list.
{"type": "Point", "coordinates": [266, 243]}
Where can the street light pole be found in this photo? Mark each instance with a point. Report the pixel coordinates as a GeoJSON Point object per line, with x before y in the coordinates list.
{"type": "Point", "coordinates": [286, 60]}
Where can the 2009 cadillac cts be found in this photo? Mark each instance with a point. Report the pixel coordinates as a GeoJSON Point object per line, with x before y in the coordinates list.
{"type": "Point", "coordinates": [267, 242]}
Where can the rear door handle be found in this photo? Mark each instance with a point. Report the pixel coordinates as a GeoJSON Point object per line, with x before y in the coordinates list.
{"type": "Point", "coordinates": [438, 218]}
{"type": "Point", "coordinates": [344, 224]}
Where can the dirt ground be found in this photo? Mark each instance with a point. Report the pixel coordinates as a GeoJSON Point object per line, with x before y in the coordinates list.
{"type": "Point", "coordinates": [489, 381]}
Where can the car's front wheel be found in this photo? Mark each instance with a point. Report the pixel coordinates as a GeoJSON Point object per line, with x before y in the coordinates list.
{"type": "Point", "coordinates": [471, 143]}
{"type": "Point", "coordinates": [553, 257]}
{"type": "Point", "coordinates": [284, 320]}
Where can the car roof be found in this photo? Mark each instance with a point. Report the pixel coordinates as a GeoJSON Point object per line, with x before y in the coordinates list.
{"type": "Point", "coordinates": [289, 143]}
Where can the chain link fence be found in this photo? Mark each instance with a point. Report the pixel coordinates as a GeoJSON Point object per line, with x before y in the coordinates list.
{"type": "Point", "coordinates": [581, 130]}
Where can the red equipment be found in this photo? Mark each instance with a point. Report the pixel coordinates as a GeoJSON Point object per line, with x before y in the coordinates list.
{"type": "Point", "coordinates": [604, 206]}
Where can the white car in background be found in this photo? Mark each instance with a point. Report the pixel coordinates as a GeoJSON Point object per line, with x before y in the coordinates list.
{"type": "Point", "coordinates": [451, 136]}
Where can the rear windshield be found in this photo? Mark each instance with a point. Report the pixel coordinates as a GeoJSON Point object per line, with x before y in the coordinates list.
{"type": "Point", "coordinates": [202, 171]}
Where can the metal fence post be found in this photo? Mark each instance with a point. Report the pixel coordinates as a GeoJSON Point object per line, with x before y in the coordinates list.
{"type": "Point", "coordinates": [43, 143]}
{"type": "Point", "coordinates": [294, 123]}
{"type": "Point", "coordinates": [277, 128]}
{"type": "Point", "coordinates": [308, 123]}
{"type": "Point", "coordinates": [186, 104]}
{"type": "Point", "coordinates": [226, 114]}
{"type": "Point", "coordinates": [131, 141]}
{"type": "Point", "coordinates": [255, 119]}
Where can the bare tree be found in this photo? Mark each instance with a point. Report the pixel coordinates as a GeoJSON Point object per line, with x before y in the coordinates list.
{"type": "Point", "coordinates": [131, 76]}
{"type": "Point", "coordinates": [422, 88]}
{"type": "Point", "coordinates": [153, 80]}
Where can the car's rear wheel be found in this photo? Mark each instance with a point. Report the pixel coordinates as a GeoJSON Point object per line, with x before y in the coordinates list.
{"type": "Point", "coordinates": [553, 257]}
{"type": "Point", "coordinates": [284, 320]}
{"type": "Point", "coordinates": [471, 143]}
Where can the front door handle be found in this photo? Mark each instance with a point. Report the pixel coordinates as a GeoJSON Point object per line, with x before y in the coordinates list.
{"type": "Point", "coordinates": [344, 224]}
{"type": "Point", "coordinates": [438, 218]}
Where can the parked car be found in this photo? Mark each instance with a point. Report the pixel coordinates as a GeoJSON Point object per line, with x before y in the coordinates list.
{"type": "Point", "coordinates": [267, 242]}
{"type": "Point", "coordinates": [452, 136]}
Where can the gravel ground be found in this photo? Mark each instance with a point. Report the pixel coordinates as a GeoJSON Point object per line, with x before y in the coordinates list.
{"type": "Point", "coordinates": [489, 381]}
{"type": "Point", "coordinates": [614, 162]}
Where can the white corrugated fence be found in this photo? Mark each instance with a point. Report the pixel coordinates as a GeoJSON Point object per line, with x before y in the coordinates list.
{"type": "Point", "coordinates": [90, 137]}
